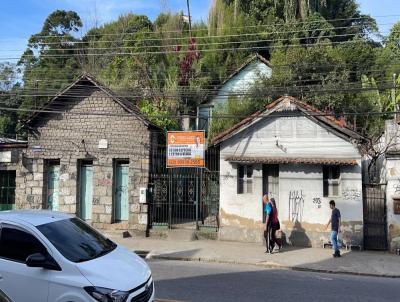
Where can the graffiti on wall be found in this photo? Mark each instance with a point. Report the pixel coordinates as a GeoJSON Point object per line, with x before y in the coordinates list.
{"type": "Point", "coordinates": [396, 186]}
{"type": "Point", "coordinates": [317, 202]}
{"type": "Point", "coordinates": [351, 194]}
{"type": "Point", "coordinates": [296, 205]}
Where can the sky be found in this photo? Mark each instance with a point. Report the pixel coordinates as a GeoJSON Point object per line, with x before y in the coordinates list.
{"type": "Point", "coordinates": [19, 19]}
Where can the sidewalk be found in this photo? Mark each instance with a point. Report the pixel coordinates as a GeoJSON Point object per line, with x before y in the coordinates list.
{"type": "Point", "coordinates": [307, 259]}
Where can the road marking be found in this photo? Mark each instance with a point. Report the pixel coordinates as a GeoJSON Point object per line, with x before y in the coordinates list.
{"type": "Point", "coordinates": [324, 278]}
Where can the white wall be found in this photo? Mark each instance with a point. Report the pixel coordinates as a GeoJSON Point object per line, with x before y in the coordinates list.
{"type": "Point", "coordinates": [308, 180]}
{"type": "Point", "coordinates": [390, 164]}
{"type": "Point", "coordinates": [243, 81]}
{"type": "Point", "coordinates": [297, 137]}
{"type": "Point", "coordinates": [393, 192]}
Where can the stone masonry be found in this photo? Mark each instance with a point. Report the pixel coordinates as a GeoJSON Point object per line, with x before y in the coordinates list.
{"type": "Point", "coordinates": [72, 137]}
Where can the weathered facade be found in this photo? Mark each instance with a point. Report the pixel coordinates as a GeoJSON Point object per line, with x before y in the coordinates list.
{"type": "Point", "coordinates": [241, 81]}
{"type": "Point", "coordinates": [11, 176]}
{"type": "Point", "coordinates": [303, 159]}
{"type": "Point", "coordinates": [88, 154]}
{"type": "Point", "coordinates": [390, 177]}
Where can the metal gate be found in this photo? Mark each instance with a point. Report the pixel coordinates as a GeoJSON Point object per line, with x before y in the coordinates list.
{"type": "Point", "coordinates": [184, 197]}
{"type": "Point", "coordinates": [375, 226]}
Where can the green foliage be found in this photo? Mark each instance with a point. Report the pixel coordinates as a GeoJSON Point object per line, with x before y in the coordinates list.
{"type": "Point", "coordinates": [389, 56]}
{"type": "Point", "coordinates": [51, 60]}
{"type": "Point", "coordinates": [7, 76]}
{"type": "Point", "coordinates": [321, 52]}
{"type": "Point", "coordinates": [235, 110]}
{"type": "Point", "coordinates": [159, 114]}
{"type": "Point", "coordinates": [9, 98]}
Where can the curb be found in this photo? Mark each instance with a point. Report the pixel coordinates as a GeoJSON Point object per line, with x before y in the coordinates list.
{"type": "Point", "coordinates": [271, 265]}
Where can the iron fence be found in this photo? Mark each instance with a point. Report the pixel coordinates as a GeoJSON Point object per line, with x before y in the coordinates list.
{"type": "Point", "coordinates": [375, 224]}
{"type": "Point", "coordinates": [184, 197]}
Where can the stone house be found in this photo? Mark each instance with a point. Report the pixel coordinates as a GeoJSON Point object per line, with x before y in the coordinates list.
{"type": "Point", "coordinates": [301, 157]}
{"type": "Point", "coordinates": [255, 69]}
{"type": "Point", "coordinates": [10, 171]}
{"type": "Point", "coordinates": [88, 154]}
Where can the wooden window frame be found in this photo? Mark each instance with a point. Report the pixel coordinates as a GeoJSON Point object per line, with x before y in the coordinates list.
{"type": "Point", "coordinates": [329, 181]}
{"type": "Point", "coordinates": [245, 182]}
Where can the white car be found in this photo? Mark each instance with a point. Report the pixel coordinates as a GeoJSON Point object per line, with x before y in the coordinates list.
{"type": "Point", "coordinates": [55, 257]}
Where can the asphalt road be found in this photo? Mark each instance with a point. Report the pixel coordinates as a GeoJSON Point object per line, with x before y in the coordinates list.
{"type": "Point", "coordinates": [194, 281]}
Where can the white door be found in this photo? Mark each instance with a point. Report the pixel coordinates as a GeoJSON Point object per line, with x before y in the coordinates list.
{"type": "Point", "coordinates": [18, 281]}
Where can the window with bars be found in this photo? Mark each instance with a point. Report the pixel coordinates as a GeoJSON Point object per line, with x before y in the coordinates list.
{"type": "Point", "coordinates": [7, 190]}
{"type": "Point", "coordinates": [331, 175]}
{"type": "Point", "coordinates": [244, 179]}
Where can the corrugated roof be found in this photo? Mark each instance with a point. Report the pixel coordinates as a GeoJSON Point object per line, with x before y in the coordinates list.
{"type": "Point", "coordinates": [292, 160]}
{"type": "Point", "coordinates": [339, 126]}
{"type": "Point", "coordinates": [12, 143]}
{"type": "Point", "coordinates": [5, 140]}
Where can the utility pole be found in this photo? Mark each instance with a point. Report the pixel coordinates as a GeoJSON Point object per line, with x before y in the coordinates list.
{"type": "Point", "coordinates": [36, 96]}
{"type": "Point", "coordinates": [190, 18]}
{"type": "Point", "coordinates": [395, 107]}
{"type": "Point", "coordinates": [235, 11]}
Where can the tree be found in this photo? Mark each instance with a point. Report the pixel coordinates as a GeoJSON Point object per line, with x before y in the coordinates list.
{"type": "Point", "coordinates": [9, 97]}
{"type": "Point", "coordinates": [50, 61]}
{"type": "Point", "coordinates": [347, 19]}
{"type": "Point", "coordinates": [388, 57]}
{"type": "Point", "coordinates": [236, 109]}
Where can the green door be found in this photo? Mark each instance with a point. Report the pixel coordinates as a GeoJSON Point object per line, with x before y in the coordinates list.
{"type": "Point", "coordinates": [7, 190]}
{"type": "Point", "coordinates": [86, 191]}
{"type": "Point", "coordinates": [121, 192]}
{"type": "Point", "coordinates": [53, 177]}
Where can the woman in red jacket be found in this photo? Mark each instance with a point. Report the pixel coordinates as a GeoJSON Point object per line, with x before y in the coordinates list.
{"type": "Point", "coordinates": [275, 224]}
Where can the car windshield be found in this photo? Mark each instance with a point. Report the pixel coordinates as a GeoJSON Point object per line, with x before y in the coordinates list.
{"type": "Point", "coordinates": [76, 240]}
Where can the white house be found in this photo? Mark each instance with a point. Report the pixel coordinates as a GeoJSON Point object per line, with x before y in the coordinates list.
{"type": "Point", "coordinates": [302, 158]}
{"type": "Point", "coordinates": [238, 83]}
{"type": "Point", "coordinates": [389, 167]}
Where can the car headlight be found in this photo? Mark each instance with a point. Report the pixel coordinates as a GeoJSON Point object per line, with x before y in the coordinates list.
{"type": "Point", "coordinates": [106, 295]}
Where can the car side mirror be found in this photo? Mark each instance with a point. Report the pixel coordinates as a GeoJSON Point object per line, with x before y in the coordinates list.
{"type": "Point", "coordinates": [40, 260]}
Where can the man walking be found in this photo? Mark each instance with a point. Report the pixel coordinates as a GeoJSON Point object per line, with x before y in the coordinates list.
{"type": "Point", "coordinates": [335, 227]}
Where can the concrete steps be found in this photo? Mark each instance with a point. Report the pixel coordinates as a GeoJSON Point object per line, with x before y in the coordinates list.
{"type": "Point", "coordinates": [174, 234]}
{"type": "Point", "coordinates": [167, 234]}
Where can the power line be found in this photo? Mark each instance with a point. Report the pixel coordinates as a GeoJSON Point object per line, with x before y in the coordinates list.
{"type": "Point", "coordinates": [217, 116]}
{"type": "Point", "coordinates": [223, 69]}
{"type": "Point", "coordinates": [200, 37]}
{"type": "Point", "coordinates": [235, 27]}
{"type": "Point", "coordinates": [197, 44]}
{"type": "Point", "coordinates": [125, 92]}
{"type": "Point", "coordinates": [79, 90]}
{"type": "Point", "coordinates": [138, 53]}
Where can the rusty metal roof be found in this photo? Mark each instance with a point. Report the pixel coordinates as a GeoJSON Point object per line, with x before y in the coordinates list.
{"type": "Point", "coordinates": [307, 110]}
{"type": "Point", "coordinates": [12, 143]}
{"type": "Point", "coordinates": [292, 160]}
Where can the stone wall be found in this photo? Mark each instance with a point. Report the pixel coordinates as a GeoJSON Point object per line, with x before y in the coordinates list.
{"type": "Point", "coordinates": [73, 137]}
{"type": "Point", "coordinates": [16, 166]}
